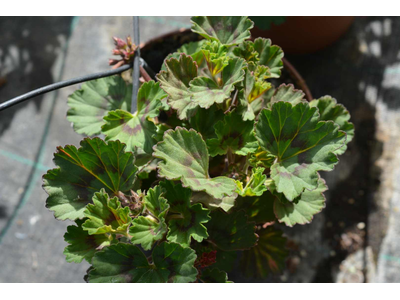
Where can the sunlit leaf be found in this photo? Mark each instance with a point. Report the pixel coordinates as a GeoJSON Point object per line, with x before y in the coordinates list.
{"type": "Point", "coordinates": [302, 144]}
{"type": "Point", "coordinates": [175, 82]}
{"type": "Point", "coordinates": [84, 171]}
{"type": "Point", "coordinates": [302, 210]}
{"type": "Point", "coordinates": [94, 100]}
{"type": "Point", "coordinates": [106, 215]}
{"type": "Point", "coordinates": [185, 157]}
{"type": "Point", "coordinates": [329, 110]}
{"type": "Point", "coordinates": [226, 30]}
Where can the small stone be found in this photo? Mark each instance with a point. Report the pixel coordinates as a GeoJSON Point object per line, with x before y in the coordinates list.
{"type": "Point", "coordinates": [361, 225]}
{"type": "Point", "coordinates": [20, 190]}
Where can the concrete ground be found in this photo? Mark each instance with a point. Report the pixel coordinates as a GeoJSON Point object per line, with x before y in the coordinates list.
{"type": "Point", "coordinates": [361, 70]}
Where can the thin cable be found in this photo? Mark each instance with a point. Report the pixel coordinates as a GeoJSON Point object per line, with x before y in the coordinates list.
{"type": "Point", "coordinates": [136, 65]}
{"type": "Point", "coordinates": [61, 84]}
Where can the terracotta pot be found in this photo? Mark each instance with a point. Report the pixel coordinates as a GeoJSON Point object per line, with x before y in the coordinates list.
{"type": "Point", "coordinates": [300, 35]}
{"type": "Point", "coordinates": [155, 50]}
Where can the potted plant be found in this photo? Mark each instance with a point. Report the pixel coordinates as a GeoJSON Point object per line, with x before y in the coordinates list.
{"type": "Point", "coordinates": [213, 159]}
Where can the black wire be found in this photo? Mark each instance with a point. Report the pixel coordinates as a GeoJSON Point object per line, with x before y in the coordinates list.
{"type": "Point", "coordinates": [61, 84]}
{"type": "Point", "coordinates": [136, 62]}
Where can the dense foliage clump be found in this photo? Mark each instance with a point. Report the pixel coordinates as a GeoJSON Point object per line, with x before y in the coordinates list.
{"type": "Point", "coordinates": [214, 156]}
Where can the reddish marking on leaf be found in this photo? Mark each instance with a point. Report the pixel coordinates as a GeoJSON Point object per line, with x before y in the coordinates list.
{"type": "Point", "coordinates": [132, 131]}
{"type": "Point", "coordinates": [187, 161]}
{"type": "Point", "coordinates": [298, 169]}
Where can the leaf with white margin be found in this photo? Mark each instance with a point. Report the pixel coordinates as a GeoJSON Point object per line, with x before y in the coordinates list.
{"type": "Point", "coordinates": [302, 144]}
{"type": "Point", "coordinates": [184, 156]}
{"type": "Point", "coordinates": [228, 31]}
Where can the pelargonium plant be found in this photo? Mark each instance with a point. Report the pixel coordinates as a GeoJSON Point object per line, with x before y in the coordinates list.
{"type": "Point", "coordinates": [213, 161]}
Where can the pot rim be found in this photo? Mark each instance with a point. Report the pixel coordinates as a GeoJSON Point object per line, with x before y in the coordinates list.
{"type": "Point", "coordinates": [293, 73]}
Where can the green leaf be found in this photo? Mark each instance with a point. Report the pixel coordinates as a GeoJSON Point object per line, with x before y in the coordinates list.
{"type": "Point", "coordinates": [136, 130]}
{"type": "Point", "coordinates": [150, 100]}
{"type": "Point", "coordinates": [146, 230]}
{"type": "Point", "coordinates": [175, 82]}
{"type": "Point", "coordinates": [329, 110]}
{"type": "Point", "coordinates": [84, 171]}
{"type": "Point", "coordinates": [261, 158]}
{"type": "Point", "coordinates": [255, 185]}
{"type": "Point", "coordinates": [226, 30]}
{"type": "Point", "coordinates": [231, 231]}
{"type": "Point", "coordinates": [214, 276]}
{"type": "Point", "coordinates": [269, 55]}
{"type": "Point", "coordinates": [234, 135]}
{"type": "Point", "coordinates": [82, 245]}
{"type": "Point", "coordinates": [246, 50]}
{"type": "Point", "coordinates": [205, 91]}
{"type": "Point", "coordinates": [185, 220]}
{"type": "Point", "coordinates": [268, 256]}
{"type": "Point", "coordinates": [185, 157]}
{"type": "Point", "coordinates": [94, 100]}
{"type": "Point", "coordinates": [205, 119]}
{"type": "Point", "coordinates": [210, 202]}
{"type": "Point", "coordinates": [194, 50]}
{"type": "Point", "coordinates": [251, 98]}
{"type": "Point", "coordinates": [106, 215]}
{"type": "Point", "coordinates": [130, 129]}
{"type": "Point", "coordinates": [127, 263]}
{"type": "Point", "coordinates": [287, 93]}
{"type": "Point", "coordinates": [301, 211]}
{"type": "Point", "coordinates": [216, 57]}
{"type": "Point", "coordinates": [258, 209]}
{"type": "Point", "coordinates": [302, 144]}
